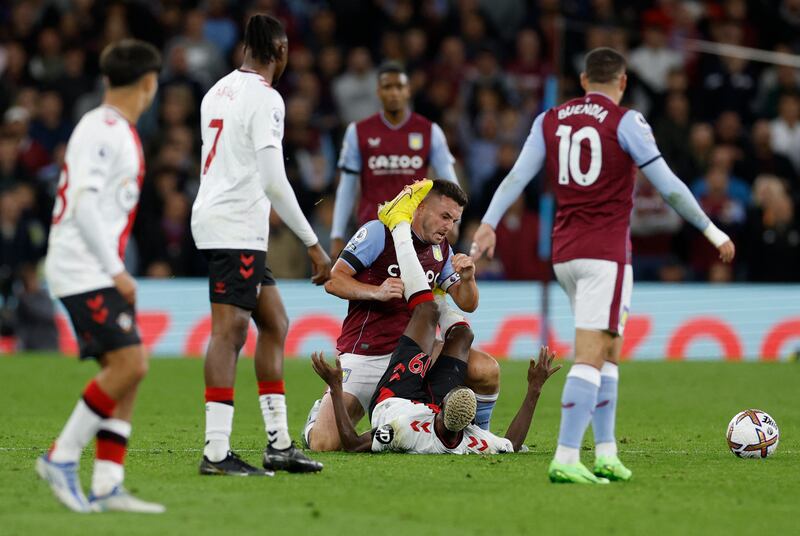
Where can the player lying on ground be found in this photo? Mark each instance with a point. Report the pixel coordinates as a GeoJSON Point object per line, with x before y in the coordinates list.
{"type": "Point", "coordinates": [98, 192]}
{"type": "Point", "coordinates": [243, 176]}
{"type": "Point", "coordinates": [366, 274]}
{"type": "Point", "coordinates": [422, 406]}
{"type": "Point", "coordinates": [590, 148]}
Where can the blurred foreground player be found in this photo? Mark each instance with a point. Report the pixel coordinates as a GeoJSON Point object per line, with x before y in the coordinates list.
{"type": "Point", "coordinates": [590, 148]}
{"type": "Point", "coordinates": [98, 193]}
{"type": "Point", "coordinates": [421, 406]}
{"type": "Point", "coordinates": [384, 152]}
{"type": "Point", "coordinates": [243, 174]}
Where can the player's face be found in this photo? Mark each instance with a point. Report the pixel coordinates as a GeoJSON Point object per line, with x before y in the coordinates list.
{"type": "Point", "coordinates": [393, 91]}
{"type": "Point", "coordinates": [283, 58]}
{"type": "Point", "coordinates": [437, 215]}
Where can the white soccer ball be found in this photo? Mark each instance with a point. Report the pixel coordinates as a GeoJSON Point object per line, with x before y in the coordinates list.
{"type": "Point", "coordinates": [753, 434]}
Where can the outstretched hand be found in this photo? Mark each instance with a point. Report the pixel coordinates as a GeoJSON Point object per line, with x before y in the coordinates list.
{"type": "Point", "coordinates": [541, 370]}
{"type": "Point", "coordinates": [330, 375]}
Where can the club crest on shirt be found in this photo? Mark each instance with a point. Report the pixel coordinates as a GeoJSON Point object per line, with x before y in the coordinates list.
{"type": "Point", "coordinates": [437, 252]}
{"type": "Point", "coordinates": [128, 195]}
{"type": "Point", "coordinates": [415, 141]}
{"type": "Point", "coordinates": [373, 142]}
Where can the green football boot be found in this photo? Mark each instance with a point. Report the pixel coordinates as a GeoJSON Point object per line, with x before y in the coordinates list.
{"type": "Point", "coordinates": [611, 468]}
{"type": "Point", "coordinates": [575, 473]}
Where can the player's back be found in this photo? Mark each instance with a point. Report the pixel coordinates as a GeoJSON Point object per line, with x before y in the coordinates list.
{"type": "Point", "coordinates": [592, 177]}
{"type": "Point", "coordinates": [239, 115]}
{"type": "Point", "coordinates": [104, 154]}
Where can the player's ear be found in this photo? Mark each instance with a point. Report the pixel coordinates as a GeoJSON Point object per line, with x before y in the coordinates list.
{"type": "Point", "coordinates": [584, 81]}
{"type": "Point", "coordinates": [623, 82]}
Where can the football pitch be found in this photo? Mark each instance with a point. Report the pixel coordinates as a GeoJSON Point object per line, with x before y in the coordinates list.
{"type": "Point", "coordinates": [671, 426]}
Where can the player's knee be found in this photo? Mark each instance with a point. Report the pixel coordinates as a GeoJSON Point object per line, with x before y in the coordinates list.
{"type": "Point", "coordinates": [233, 331]}
{"type": "Point", "coordinates": [483, 373]}
{"type": "Point", "coordinates": [461, 335]}
{"type": "Point", "coordinates": [275, 327]}
{"type": "Point", "coordinates": [321, 440]}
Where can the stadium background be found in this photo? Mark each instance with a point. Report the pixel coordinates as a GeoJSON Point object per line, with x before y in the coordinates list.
{"type": "Point", "coordinates": [728, 126]}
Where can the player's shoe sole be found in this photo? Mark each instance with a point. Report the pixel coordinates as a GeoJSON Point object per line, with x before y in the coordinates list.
{"type": "Point", "coordinates": [402, 207]}
{"type": "Point", "coordinates": [611, 467]}
{"type": "Point", "coordinates": [64, 482]}
{"type": "Point", "coordinates": [232, 465]}
{"type": "Point", "coordinates": [572, 473]}
{"type": "Point", "coordinates": [290, 459]}
{"type": "Point", "coordinates": [120, 500]}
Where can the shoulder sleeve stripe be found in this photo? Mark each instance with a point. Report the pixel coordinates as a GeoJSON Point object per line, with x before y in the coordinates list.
{"type": "Point", "coordinates": [649, 161]}
{"type": "Point", "coordinates": [354, 172]}
{"type": "Point", "coordinates": [352, 260]}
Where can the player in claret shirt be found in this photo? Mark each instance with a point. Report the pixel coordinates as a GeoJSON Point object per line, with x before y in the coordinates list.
{"type": "Point", "coordinates": [95, 208]}
{"type": "Point", "coordinates": [590, 148]}
{"type": "Point", "coordinates": [384, 152]}
{"type": "Point", "coordinates": [421, 405]}
{"type": "Point", "coordinates": [242, 177]}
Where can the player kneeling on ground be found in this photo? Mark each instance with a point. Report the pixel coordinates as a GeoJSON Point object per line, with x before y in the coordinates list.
{"type": "Point", "coordinates": [420, 406]}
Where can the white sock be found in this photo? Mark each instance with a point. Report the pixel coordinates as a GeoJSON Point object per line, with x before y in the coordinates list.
{"type": "Point", "coordinates": [411, 272]}
{"type": "Point", "coordinates": [81, 427]}
{"type": "Point", "coordinates": [273, 409]}
{"type": "Point", "coordinates": [567, 455]}
{"type": "Point", "coordinates": [605, 449]}
{"type": "Point", "coordinates": [448, 317]}
{"type": "Point", "coordinates": [109, 474]}
{"type": "Point", "coordinates": [219, 424]}
{"type": "Point", "coordinates": [106, 476]}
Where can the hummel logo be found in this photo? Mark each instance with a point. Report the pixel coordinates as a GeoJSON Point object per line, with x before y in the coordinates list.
{"type": "Point", "coordinates": [373, 142]}
{"type": "Point", "coordinates": [272, 436]}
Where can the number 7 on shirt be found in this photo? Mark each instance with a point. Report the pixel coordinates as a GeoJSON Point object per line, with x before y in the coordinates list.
{"type": "Point", "coordinates": [215, 123]}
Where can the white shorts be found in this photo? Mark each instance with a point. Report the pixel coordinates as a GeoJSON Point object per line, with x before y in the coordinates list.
{"type": "Point", "coordinates": [599, 292]}
{"type": "Point", "coordinates": [362, 374]}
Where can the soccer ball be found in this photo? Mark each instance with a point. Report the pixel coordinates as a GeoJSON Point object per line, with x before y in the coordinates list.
{"type": "Point", "coordinates": [752, 434]}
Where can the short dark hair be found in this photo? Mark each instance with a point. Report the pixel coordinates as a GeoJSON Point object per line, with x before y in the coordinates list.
{"type": "Point", "coordinates": [390, 67]}
{"type": "Point", "coordinates": [603, 65]}
{"type": "Point", "coordinates": [260, 35]}
{"type": "Point", "coordinates": [451, 190]}
{"type": "Point", "coordinates": [123, 63]}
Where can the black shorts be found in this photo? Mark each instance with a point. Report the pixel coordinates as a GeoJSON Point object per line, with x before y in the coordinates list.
{"type": "Point", "coordinates": [236, 275]}
{"type": "Point", "coordinates": [103, 321]}
{"type": "Point", "coordinates": [411, 375]}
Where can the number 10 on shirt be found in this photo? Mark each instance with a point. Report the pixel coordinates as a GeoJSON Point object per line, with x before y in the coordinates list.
{"type": "Point", "coordinates": [569, 155]}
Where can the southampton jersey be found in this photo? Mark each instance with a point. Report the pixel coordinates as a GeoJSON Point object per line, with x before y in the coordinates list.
{"type": "Point", "coordinates": [373, 327]}
{"type": "Point", "coordinates": [239, 115]}
{"type": "Point", "coordinates": [405, 426]}
{"type": "Point", "coordinates": [387, 157]}
{"type": "Point", "coordinates": [103, 154]}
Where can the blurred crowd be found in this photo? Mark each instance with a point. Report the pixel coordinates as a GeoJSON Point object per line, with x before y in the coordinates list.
{"type": "Point", "coordinates": [730, 128]}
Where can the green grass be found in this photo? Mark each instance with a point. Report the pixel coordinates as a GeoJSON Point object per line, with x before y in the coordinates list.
{"type": "Point", "coordinates": [672, 420]}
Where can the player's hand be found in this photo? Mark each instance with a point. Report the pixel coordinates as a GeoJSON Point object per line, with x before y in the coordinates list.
{"type": "Point", "coordinates": [541, 370]}
{"type": "Point", "coordinates": [390, 289]}
{"type": "Point", "coordinates": [727, 251]}
{"type": "Point", "coordinates": [320, 264]}
{"type": "Point", "coordinates": [483, 242]}
{"type": "Point", "coordinates": [337, 245]}
{"type": "Point", "coordinates": [126, 286]}
{"type": "Point", "coordinates": [330, 375]}
{"type": "Point", "coordinates": [464, 266]}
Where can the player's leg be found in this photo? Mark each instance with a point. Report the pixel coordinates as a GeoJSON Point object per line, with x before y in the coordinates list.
{"type": "Point", "coordinates": [108, 493]}
{"type": "Point", "coordinates": [607, 462]}
{"type": "Point", "coordinates": [273, 325]}
{"type": "Point", "coordinates": [107, 323]}
{"type": "Point", "coordinates": [587, 284]}
{"type": "Point", "coordinates": [483, 372]}
{"type": "Point", "coordinates": [322, 434]}
{"type": "Point", "coordinates": [445, 381]}
{"type": "Point", "coordinates": [234, 276]}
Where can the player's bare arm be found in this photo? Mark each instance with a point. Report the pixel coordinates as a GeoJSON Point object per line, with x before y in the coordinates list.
{"type": "Point", "coordinates": [343, 285]}
{"type": "Point", "coordinates": [465, 292]}
{"type": "Point", "coordinates": [332, 376]}
{"type": "Point", "coordinates": [539, 371]}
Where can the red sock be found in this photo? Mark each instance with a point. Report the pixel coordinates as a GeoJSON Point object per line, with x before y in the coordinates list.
{"type": "Point", "coordinates": [98, 401]}
{"type": "Point", "coordinates": [420, 297]}
{"type": "Point", "coordinates": [111, 447]}
{"type": "Point", "coordinates": [271, 388]}
{"type": "Point", "coordinates": [221, 395]}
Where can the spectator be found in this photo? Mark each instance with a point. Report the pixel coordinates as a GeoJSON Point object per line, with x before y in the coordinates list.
{"type": "Point", "coordinates": [50, 128]}
{"type": "Point", "coordinates": [219, 27]}
{"type": "Point", "coordinates": [355, 90]}
{"type": "Point", "coordinates": [204, 60]}
{"type": "Point", "coordinates": [652, 61]}
{"type": "Point", "coordinates": [786, 130]}
{"type": "Point", "coordinates": [762, 159]}
{"type": "Point", "coordinates": [32, 156]}
{"type": "Point", "coordinates": [35, 324]}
